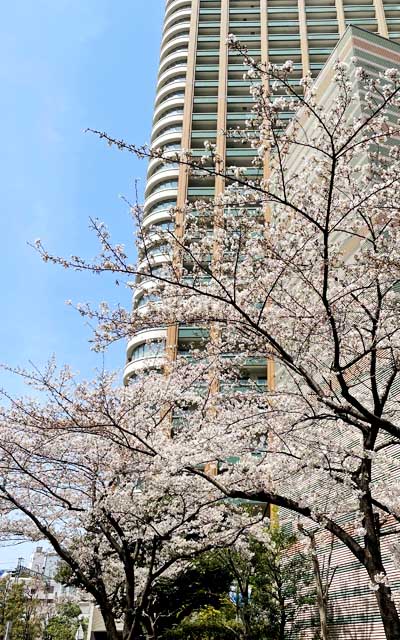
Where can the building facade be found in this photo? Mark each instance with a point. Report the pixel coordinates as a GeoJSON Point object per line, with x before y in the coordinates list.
{"type": "Point", "coordinates": [40, 576]}
{"type": "Point", "coordinates": [353, 608]}
{"type": "Point", "coordinates": [44, 562]}
{"type": "Point", "coordinates": [201, 93]}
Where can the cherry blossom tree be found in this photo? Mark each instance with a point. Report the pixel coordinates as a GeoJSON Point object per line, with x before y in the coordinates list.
{"type": "Point", "coordinates": [300, 272]}
{"type": "Point", "coordinates": [85, 471]}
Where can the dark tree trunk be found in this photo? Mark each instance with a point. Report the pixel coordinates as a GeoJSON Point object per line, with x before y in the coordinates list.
{"type": "Point", "coordinates": [282, 624]}
{"type": "Point", "coordinates": [110, 624]}
{"type": "Point", "coordinates": [322, 593]}
{"type": "Point", "coordinates": [246, 614]}
{"type": "Point", "coordinates": [151, 629]}
{"type": "Point", "coordinates": [135, 631]}
{"type": "Point", "coordinates": [282, 619]}
{"type": "Point", "coordinates": [389, 613]}
{"type": "Point", "coordinates": [323, 618]}
{"type": "Point", "coordinates": [373, 557]}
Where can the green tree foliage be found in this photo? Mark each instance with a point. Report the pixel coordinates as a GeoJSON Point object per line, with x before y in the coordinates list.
{"type": "Point", "coordinates": [267, 586]}
{"type": "Point", "coordinates": [19, 611]}
{"type": "Point", "coordinates": [65, 576]}
{"type": "Point", "coordinates": [209, 624]}
{"type": "Point", "coordinates": [203, 586]}
{"type": "Point", "coordinates": [63, 625]}
{"type": "Point", "coordinates": [280, 585]}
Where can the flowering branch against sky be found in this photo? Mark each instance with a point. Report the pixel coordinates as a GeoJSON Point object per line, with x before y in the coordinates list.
{"type": "Point", "coordinates": [64, 66]}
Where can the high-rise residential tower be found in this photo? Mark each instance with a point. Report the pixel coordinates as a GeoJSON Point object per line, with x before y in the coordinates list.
{"type": "Point", "coordinates": [201, 93]}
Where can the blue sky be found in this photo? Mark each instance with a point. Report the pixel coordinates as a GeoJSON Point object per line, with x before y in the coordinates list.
{"type": "Point", "coordinates": [66, 65]}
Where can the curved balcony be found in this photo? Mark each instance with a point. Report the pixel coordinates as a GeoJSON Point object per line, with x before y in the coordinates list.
{"type": "Point", "coordinates": [176, 56]}
{"type": "Point", "coordinates": [154, 166]}
{"type": "Point", "coordinates": [157, 237]}
{"type": "Point", "coordinates": [179, 67]}
{"type": "Point", "coordinates": [175, 5]}
{"type": "Point", "coordinates": [156, 260]}
{"type": "Point", "coordinates": [147, 336]}
{"type": "Point", "coordinates": [158, 166]}
{"type": "Point", "coordinates": [156, 244]}
{"type": "Point", "coordinates": [179, 41]}
{"type": "Point", "coordinates": [167, 138]}
{"type": "Point", "coordinates": [172, 75]}
{"type": "Point", "coordinates": [168, 96]}
{"type": "Point", "coordinates": [169, 112]}
{"type": "Point", "coordinates": [167, 121]}
{"type": "Point", "coordinates": [180, 62]}
{"type": "Point", "coordinates": [176, 30]}
{"type": "Point", "coordinates": [167, 194]}
{"type": "Point", "coordinates": [142, 304]}
{"type": "Point", "coordinates": [175, 102]}
{"type": "Point", "coordinates": [164, 173]}
{"type": "Point", "coordinates": [166, 182]}
{"type": "Point", "coordinates": [154, 236]}
{"type": "Point", "coordinates": [147, 279]}
{"type": "Point", "coordinates": [177, 17]}
{"type": "Point", "coordinates": [171, 5]}
{"type": "Point", "coordinates": [157, 218]}
{"type": "Point", "coordinates": [143, 288]}
{"type": "Point", "coordinates": [160, 229]}
{"type": "Point", "coordinates": [182, 16]}
{"type": "Point", "coordinates": [135, 367]}
{"type": "Point", "coordinates": [164, 206]}
{"type": "Point", "coordinates": [169, 151]}
{"type": "Point", "coordinates": [175, 87]}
